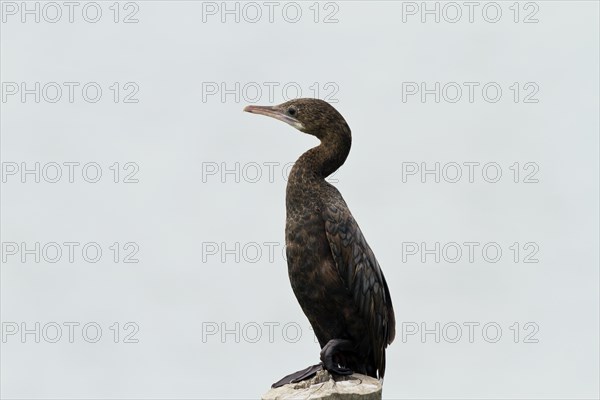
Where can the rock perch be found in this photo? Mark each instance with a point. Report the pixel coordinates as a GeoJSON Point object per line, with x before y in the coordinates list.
{"type": "Point", "coordinates": [324, 386]}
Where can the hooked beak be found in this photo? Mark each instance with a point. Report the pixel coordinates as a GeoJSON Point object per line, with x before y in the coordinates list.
{"type": "Point", "coordinates": [274, 112]}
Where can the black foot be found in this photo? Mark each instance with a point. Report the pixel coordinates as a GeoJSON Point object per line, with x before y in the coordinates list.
{"type": "Point", "coordinates": [329, 350]}
{"type": "Point", "coordinates": [299, 376]}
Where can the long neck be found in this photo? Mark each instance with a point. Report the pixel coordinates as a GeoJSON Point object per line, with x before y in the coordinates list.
{"type": "Point", "coordinates": [325, 159]}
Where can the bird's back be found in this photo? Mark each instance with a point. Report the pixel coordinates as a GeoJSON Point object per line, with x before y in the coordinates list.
{"type": "Point", "coordinates": [336, 277]}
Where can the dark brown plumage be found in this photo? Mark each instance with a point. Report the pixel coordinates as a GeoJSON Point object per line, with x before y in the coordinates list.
{"type": "Point", "coordinates": [332, 270]}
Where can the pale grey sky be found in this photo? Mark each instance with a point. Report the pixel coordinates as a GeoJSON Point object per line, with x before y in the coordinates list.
{"type": "Point", "coordinates": [193, 190]}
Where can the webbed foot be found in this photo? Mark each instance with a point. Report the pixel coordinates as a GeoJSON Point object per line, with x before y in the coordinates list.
{"type": "Point", "coordinates": [332, 348]}
{"type": "Point", "coordinates": [299, 376]}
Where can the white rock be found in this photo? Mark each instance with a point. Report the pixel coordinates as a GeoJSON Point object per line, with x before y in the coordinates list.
{"type": "Point", "coordinates": [326, 387]}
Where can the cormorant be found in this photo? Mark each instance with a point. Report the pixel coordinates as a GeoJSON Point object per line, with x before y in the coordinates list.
{"type": "Point", "coordinates": [332, 270]}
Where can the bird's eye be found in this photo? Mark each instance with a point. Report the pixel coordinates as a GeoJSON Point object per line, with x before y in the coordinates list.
{"type": "Point", "coordinates": [292, 111]}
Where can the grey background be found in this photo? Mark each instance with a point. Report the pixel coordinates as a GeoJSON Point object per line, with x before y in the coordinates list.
{"type": "Point", "coordinates": [171, 133]}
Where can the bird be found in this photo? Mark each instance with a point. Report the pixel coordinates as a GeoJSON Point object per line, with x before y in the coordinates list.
{"type": "Point", "coordinates": [332, 270]}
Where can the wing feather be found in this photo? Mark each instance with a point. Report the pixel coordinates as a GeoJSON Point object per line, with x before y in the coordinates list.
{"type": "Point", "coordinates": [362, 276]}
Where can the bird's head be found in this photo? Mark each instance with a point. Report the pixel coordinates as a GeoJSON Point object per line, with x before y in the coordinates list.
{"type": "Point", "coordinates": [313, 116]}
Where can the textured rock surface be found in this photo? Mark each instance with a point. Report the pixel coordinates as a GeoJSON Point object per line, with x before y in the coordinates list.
{"type": "Point", "coordinates": [325, 386]}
